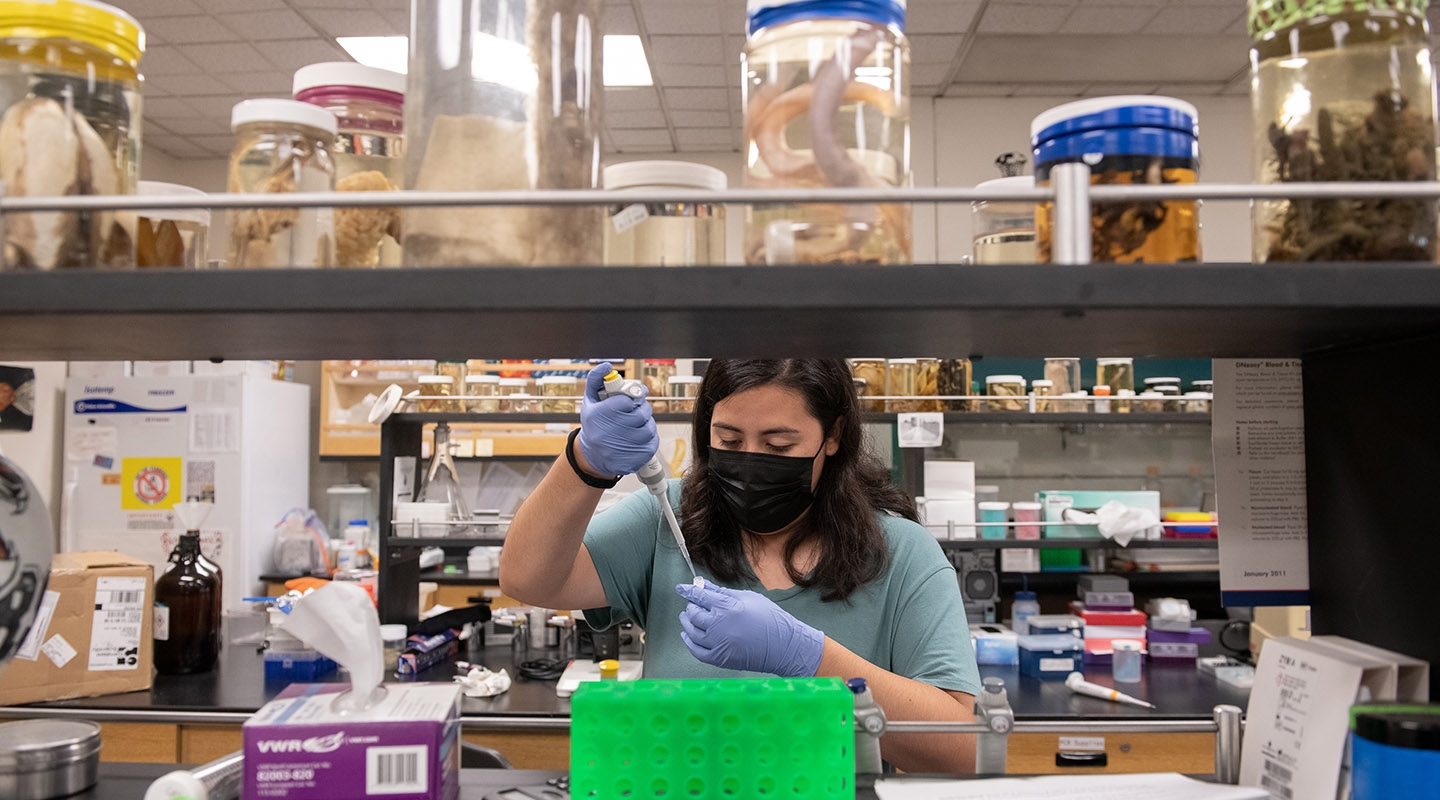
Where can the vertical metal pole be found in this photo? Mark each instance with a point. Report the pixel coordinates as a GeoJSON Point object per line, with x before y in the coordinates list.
{"type": "Point", "coordinates": [1227, 744]}
{"type": "Point", "coordinates": [1070, 239]}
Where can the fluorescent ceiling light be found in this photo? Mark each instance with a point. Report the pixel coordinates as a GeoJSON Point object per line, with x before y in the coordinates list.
{"type": "Point", "coordinates": [624, 59]}
{"type": "Point", "coordinates": [384, 52]}
{"type": "Point", "coordinates": [625, 63]}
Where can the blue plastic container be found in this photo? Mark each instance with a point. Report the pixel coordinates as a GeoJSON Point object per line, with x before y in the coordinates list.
{"type": "Point", "coordinates": [1396, 754]}
{"type": "Point", "coordinates": [993, 512]}
{"type": "Point", "coordinates": [1051, 657]}
{"type": "Point", "coordinates": [297, 667]}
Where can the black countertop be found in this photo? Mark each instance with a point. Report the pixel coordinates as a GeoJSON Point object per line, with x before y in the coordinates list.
{"type": "Point", "coordinates": [237, 685]}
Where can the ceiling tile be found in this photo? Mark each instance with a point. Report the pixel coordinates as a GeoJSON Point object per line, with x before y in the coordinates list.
{"type": "Point", "coordinates": [705, 148]}
{"type": "Point", "coordinates": [928, 74]}
{"type": "Point", "coordinates": [734, 47]}
{"type": "Point", "coordinates": [194, 126]}
{"type": "Point", "coordinates": [644, 136]}
{"type": "Point", "coordinates": [1236, 88]}
{"type": "Point", "coordinates": [155, 8]}
{"type": "Point", "coordinates": [222, 6]}
{"type": "Point", "coordinates": [1194, 19]}
{"type": "Point", "coordinates": [680, 17]}
{"type": "Point", "coordinates": [391, 5]}
{"type": "Point", "coordinates": [181, 148]}
{"type": "Point", "coordinates": [352, 23]}
{"type": "Point", "coordinates": [399, 21]}
{"type": "Point", "coordinates": [226, 57]}
{"type": "Point", "coordinates": [700, 119]}
{"type": "Point", "coordinates": [980, 90]}
{"type": "Point", "coordinates": [634, 119]}
{"type": "Point", "coordinates": [1239, 26]}
{"type": "Point", "coordinates": [646, 148]}
{"type": "Point", "coordinates": [697, 99]}
{"type": "Point", "coordinates": [688, 75]}
{"type": "Point", "coordinates": [166, 61]}
{"type": "Point", "coordinates": [189, 84]}
{"type": "Point", "coordinates": [1197, 89]}
{"type": "Point", "coordinates": [293, 55]}
{"type": "Point", "coordinates": [214, 106]}
{"type": "Point", "coordinates": [166, 107]}
{"type": "Point", "coordinates": [619, 20]}
{"type": "Point", "coordinates": [688, 49]}
{"type": "Point", "coordinates": [280, 24]}
{"type": "Point", "coordinates": [190, 30]}
{"type": "Point", "coordinates": [1088, 59]}
{"type": "Point", "coordinates": [631, 99]}
{"type": "Point", "coordinates": [1049, 89]}
{"type": "Point", "coordinates": [733, 17]}
{"type": "Point", "coordinates": [940, 16]}
{"type": "Point", "coordinates": [1029, 18]}
{"type": "Point", "coordinates": [934, 49]}
{"type": "Point", "coordinates": [307, 4]}
{"type": "Point", "coordinates": [222, 143]}
{"type": "Point", "coordinates": [261, 84]}
{"type": "Point", "coordinates": [706, 136]}
{"type": "Point", "coordinates": [1107, 19]}
{"type": "Point", "coordinates": [1110, 89]}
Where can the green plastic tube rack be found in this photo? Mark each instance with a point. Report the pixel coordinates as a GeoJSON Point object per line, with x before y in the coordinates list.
{"type": "Point", "coordinates": [713, 739]}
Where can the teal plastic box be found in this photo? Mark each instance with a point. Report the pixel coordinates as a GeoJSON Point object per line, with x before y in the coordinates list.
{"type": "Point", "coordinates": [1054, 503]}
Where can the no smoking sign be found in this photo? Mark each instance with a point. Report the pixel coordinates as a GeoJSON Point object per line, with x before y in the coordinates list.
{"type": "Point", "coordinates": [150, 484]}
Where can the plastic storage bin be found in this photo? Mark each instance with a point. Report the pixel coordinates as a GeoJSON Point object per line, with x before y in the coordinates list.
{"type": "Point", "coordinates": [70, 76]}
{"type": "Point", "coordinates": [664, 234]}
{"type": "Point", "coordinates": [993, 512]}
{"type": "Point", "coordinates": [1048, 624]}
{"type": "Point", "coordinates": [1004, 229]}
{"type": "Point", "coordinates": [281, 146]}
{"type": "Point", "coordinates": [1364, 72]}
{"type": "Point", "coordinates": [504, 101]}
{"type": "Point", "coordinates": [369, 108]}
{"type": "Point", "coordinates": [1132, 139]}
{"type": "Point", "coordinates": [801, 63]}
{"type": "Point", "coordinates": [1051, 656]}
{"type": "Point", "coordinates": [177, 237]}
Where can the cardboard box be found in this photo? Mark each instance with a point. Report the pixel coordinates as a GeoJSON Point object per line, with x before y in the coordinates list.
{"type": "Point", "coordinates": [92, 634]}
{"type": "Point", "coordinates": [300, 746]}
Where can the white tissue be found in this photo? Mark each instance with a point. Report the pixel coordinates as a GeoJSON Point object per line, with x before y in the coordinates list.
{"type": "Point", "coordinates": [481, 682]}
{"type": "Point", "coordinates": [1116, 520]}
{"type": "Point", "coordinates": [339, 620]}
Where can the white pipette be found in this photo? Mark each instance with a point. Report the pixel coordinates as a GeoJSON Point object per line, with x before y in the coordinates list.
{"type": "Point", "coordinates": [1079, 685]}
{"type": "Point", "coordinates": [654, 474]}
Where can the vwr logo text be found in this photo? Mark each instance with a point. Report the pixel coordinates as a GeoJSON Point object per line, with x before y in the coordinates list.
{"type": "Point", "coordinates": [315, 744]}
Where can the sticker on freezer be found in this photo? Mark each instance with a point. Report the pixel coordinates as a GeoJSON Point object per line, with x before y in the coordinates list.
{"type": "Point", "coordinates": [150, 483]}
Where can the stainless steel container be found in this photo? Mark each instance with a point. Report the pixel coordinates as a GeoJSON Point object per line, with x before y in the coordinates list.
{"type": "Point", "coordinates": [45, 758]}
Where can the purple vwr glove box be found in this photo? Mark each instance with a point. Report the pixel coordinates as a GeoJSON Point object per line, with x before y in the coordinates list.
{"type": "Point", "coordinates": [406, 747]}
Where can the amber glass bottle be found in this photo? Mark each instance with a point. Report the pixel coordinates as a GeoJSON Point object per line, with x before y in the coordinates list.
{"type": "Point", "coordinates": [187, 629]}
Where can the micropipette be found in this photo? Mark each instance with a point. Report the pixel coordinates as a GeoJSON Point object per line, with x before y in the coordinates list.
{"type": "Point", "coordinates": [654, 474]}
{"type": "Point", "coordinates": [1079, 685]}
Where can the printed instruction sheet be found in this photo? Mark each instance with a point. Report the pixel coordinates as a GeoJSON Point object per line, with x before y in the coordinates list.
{"type": "Point", "coordinates": [1168, 785]}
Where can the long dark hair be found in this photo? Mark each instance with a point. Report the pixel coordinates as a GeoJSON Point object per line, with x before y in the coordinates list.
{"type": "Point", "coordinates": [853, 485]}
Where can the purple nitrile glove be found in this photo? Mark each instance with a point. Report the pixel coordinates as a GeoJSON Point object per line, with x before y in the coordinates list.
{"type": "Point", "coordinates": [743, 630]}
{"type": "Point", "coordinates": [617, 434]}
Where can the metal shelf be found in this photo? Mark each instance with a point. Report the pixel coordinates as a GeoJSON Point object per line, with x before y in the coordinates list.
{"type": "Point", "coordinates": [455, 541]}
{"type": "Point", "coordinates": [1176, 310]}
{"type": "Point", "coordinates": [1071, 544]}
{"type": "Point", "coordinates": [951, 417]}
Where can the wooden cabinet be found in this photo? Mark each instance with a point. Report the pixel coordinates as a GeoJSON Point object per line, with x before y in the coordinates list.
{"type": "Point", "coordinates": [136, 742]}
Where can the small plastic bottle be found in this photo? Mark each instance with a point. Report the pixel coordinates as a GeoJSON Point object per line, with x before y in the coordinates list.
{"type": "Point", "coordinates": [1025, 606]}
{"type": "Point", "coordinates": [393, 637]}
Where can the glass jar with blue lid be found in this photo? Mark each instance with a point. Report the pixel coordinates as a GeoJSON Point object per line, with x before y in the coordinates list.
{"type": "Point", "coordinates": [827, 105]}
{"type": "Point", "coordinates": [1124, 140]}
{"type": "Point", "coordinates": [1342, 90]}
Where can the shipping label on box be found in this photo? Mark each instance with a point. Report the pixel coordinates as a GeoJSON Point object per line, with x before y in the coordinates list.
{"type": "Point", "coordinates": [303, 746]}
{"type": "Point", "coordinates": [92, 635]}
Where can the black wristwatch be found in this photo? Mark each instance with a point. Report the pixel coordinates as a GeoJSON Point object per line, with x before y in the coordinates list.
{"type": "Point", "coordinates": [590, 480]}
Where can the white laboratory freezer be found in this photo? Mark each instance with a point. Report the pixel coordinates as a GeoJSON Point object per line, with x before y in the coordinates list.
{"type": "Point", "coordinates": [136, 446]}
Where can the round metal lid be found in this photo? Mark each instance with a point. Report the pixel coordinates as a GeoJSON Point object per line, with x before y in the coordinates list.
{"type": "Point", "coordinates": [36, 744]}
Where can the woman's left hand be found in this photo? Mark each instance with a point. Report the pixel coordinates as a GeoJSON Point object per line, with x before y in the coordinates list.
{"type": "Point", "coordinates": [743, 630]}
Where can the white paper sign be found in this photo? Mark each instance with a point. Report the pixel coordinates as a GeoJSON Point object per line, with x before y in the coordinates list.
{"type": "Point", "coordinates": [58, 651]}
{"type": "Point", "coordinates": [117, 625]}
{"type": "Point", "coordinates": [630, 216]}
{"type": "Point", "coordinates": [924, 429]}
{"type": "Point", "coordinates": [30, 648]}
{"type": "Point", "coordinates": [214, 430]}
{"type": "Point", "coordinates": [1258, 437]}
{"type": "Point", "coordinates": [84, 442]}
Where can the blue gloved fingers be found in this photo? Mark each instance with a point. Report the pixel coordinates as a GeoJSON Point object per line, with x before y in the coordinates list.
{"type": "Point", "coordinates": [701, 653]}
{"type": "Point", "coordinates": [699, 618]}
{"type": "Point", "coordinates": [709, 596]}
{"type": "Point", "coordinates": [623, 410]}
{"type": "Point", "coordinates": [595, 381]}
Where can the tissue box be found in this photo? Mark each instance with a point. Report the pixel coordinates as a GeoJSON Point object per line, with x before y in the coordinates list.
{"type": "Point", "coordinates": [995, 645]}
{"type": "Point", "coordinates": [299, 747]}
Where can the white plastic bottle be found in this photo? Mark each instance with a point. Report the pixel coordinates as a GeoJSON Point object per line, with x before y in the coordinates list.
{"type": "Point", "coordinates": [1024, 607]}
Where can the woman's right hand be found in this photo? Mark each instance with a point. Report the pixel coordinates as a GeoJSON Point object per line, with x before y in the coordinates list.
{"type": "Point", "coordinates": [617, 434]}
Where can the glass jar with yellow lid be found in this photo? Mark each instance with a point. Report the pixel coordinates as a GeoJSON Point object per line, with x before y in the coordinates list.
{"type": "Point", "coordinates": [70, 93]}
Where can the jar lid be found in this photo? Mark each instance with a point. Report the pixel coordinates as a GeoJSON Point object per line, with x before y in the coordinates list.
{"type": "Point", "coordinates": [1126, 645]}
{"type": "Point", "coordinates": [1151, 393]}
{"type": "Point", "coordinates": [1197, 394]}
{"type": "Point", "coordinates": [1026, 594]}
{"type": "Point", "coordinates": [1206, 382]}
{"type": "Point", "coordinates": [992, 505]}
{"type": "Point", "coordinates": [676, 174]}
{"type": "Point", "coordinates": [1118, 142]}
{"type": "Point", "coordinates": [329, 74]}
{"type": "Point", "coordinates": [764, 13]}
{"type": "Point", "coordinates": [1024, 207]}
{"type": "Point", "coordinates": [1041, 383]}
{"type": "Point", "coordinates": [512, 382]}
{"type": "Point", "coordinates": [393, 632]}
{"type": "Point", "coordinates": [198, 216]}
{"type": "Point", "coordinates": [436, 379]}
{"type": "Point", "coordinates": [697, 379]}
{"type": "Point", "coordinates": [664, 362]}
{"type": "Point", "coordinates": [556, 379]}
{"type": "Point", "coordinates": [1415, 729]}
{"type": "Point", "coordinates": [36, 745]}
{"type": "Point", "coordinates": [1097, 390]}
{"type": "Point", "coordinates": [1005, 379]}
{"type": "Point", "coordinates": [97, 24]}
{"type": "Point", "coordinates": [1166, 388]}
{"type": "Point", "coordinates": [277, 109]}
{"type": "Point", "coordinates": [1118, 111]}
{"type": "Point", "coordinates": [1113, 361]}
{"type": "Point", "coordinates": [1024, 505]}
{"type": "Point", "coordinates": [1157, 381]}
{"type": "Point", "coordinates": [482, 378]}
{"type": "Point", "coordinates": [904, 361]}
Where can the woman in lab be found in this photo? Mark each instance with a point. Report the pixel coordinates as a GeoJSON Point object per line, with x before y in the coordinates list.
{"type": "Point", "coordinates": [813, 562]}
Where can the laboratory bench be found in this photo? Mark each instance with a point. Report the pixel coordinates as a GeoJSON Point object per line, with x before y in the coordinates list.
{"type": "Point", "coordinates": [193, 719]}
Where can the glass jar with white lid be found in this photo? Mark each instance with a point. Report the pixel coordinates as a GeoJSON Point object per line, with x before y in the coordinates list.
{"type": "Point", "coordinates": [664, 234]}
{"type": "Point", "coordinates": [281, 147]}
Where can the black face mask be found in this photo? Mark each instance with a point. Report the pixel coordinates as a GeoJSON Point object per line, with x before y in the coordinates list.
{"type": "Point", "coordinates": [765, 492]}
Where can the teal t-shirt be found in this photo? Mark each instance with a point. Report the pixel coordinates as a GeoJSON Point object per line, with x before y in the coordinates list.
{"type": "Point", "coordinates": [909, 621]}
